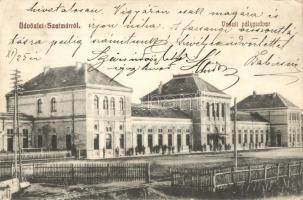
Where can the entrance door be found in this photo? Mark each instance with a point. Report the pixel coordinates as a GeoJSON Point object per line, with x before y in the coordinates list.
{"type": "Point", "coordinates": [179, 142]}
{"type": "Point", "coordinates": [150, 140]}
{"type": "Point", "coordinates": [139, 140]}
{"type": "Point", "coordinates": [68, 142]}
{"type": "Point", "coordinates": [278, 140]}
{"type": "Point", "coordinates": [10, 144]}
{"type": "Point", "coordinates": [54, 142]}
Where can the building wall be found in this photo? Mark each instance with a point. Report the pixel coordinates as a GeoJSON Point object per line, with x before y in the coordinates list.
{"type": "Point", "coordinates": [105, 125]}
{"type": "Point", "coordinates": [156, 127]}
{"type": "Point", "coordinates": [25, 126]}
{"type": "Point", "coordinates": [197, 108]}
{"type": "Point", "coordinates": [281, 123]}
{"type": "Point", "coordinates": [28, 103]}
{"type": "Point", "coordinates": [257, 135]}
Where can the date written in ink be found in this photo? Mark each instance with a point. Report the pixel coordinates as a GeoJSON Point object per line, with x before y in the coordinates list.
{"type": "Point", "coordinates": [14, 55]}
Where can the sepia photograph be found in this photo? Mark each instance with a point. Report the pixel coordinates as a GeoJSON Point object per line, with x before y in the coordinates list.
{"type": "Point", "coordinates": [151, 100]}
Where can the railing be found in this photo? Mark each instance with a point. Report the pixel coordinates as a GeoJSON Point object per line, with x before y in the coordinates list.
{"type": "Point", "coordinates": [6, 171]}
{"type": "Point", "coordinates": [35, 156]}
{"type": "Point", "coordinates": [220, 178]}
{"type": "Point", "coordinates": [89, 173]}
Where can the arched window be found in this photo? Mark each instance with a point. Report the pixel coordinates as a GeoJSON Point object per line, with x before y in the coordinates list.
{"type": "Point", "coordinates": [53, 104]}
{"type": "Point", "coordinates": [207, 109]}
{"type": "Point", "coordinates": [112, 104]}
{"type": "Point", "coordinates": [96, 103]}
{"type": "Point", "coordinates": [39, 106]}
{"type": "Point", "coordinates": [105, 103]}
{"type": "Point", "coordinates": [121, 102]}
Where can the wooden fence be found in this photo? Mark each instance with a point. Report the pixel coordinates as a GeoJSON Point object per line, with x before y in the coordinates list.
{"type": "Point", "coordinates": [220, 178]}
{"type": "Point", "coordinates": [6, 171]}
{"type": "Point", "coordinates": [90, 173]}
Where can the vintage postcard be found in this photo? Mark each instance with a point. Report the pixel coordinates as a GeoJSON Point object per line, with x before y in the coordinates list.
{"type": "Point", "coordinates": [154, 99]}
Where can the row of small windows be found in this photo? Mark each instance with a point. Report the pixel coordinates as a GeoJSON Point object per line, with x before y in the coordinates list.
{"type": "Point", "coordinates": [294, 116]}
{"type": "Point", "coordinates": [160, 130]}
{"type": "Point", "coordinates": [52, 105]}
{"type": "Point", "coordinates": [292, 138]}
{"type": "Point", "coordinates": [106, 103]}
{"type": "Point", "coordinates": [213, 110]}
{"type": "Point", "coordinates": [250, 139]}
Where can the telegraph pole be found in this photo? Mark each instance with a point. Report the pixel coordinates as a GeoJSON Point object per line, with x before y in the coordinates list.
{"type": "Point", "coordinates": [17, 87]}
{"type": "Point", "coordinates": [235, 132]}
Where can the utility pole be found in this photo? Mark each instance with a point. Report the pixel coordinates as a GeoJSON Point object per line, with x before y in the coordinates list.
{"type": "Point", "coordinates": [17, 87]}
{"type": "Point", "coordinates": [235, 133]}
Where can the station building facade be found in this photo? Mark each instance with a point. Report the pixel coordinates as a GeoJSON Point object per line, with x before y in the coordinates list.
{"type": "Point", "coordinates": [83, 110]}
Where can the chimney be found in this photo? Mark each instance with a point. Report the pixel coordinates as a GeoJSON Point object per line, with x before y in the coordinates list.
{"type": "Point", "coordinates": [78, 66]}
{"type": "Point", "coordinates": [160, 88]}
{"type": "Point", "coordinates": [46, 69]}
{"type": "Point", "coordinates": [254, 94]}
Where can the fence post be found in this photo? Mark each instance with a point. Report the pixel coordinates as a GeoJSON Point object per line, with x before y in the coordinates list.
{"type": "Point", "coordinates": [288, 175]}
{"type": "Point", "coordinates": [171, 176]}
{"type": "Point", "coordinates": [73, 173]}
{"type": "Point", "coordinates": [249, 174]}
{"type": "Point", "coordinates": [107, 172]}
{"type": "Point", "coordinates": [265, 175]}
{"type": "Point", "coordinates": [214, 180]}
{"type": "Point", "coordinates": [147, 173]}
{"type": "Point", "coordinates": [278, 171]}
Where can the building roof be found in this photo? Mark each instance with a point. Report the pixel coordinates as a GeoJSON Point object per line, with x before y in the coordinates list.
{"type": "Point", "coordinates": [67, 76]}
{"type": "Point", "coordinates": [248, 116]}
{"type": "Point", "coordinates": [180, 86]}
{"type": "Point", "coordinates": [10, 116]}
{"type": "Point", "coordinates": [273, 100]}
{"type": "Point", "coordinates": [140, 110]}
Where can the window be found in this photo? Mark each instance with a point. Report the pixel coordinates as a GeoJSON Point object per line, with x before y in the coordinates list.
{"type": "Point", "coordinates": [257, 138]}
{"type": "Point", "coordinates": [53, 104]}
{"type": "Point", "coordinates": [218, 110]}
{"type": "Point", "coordinates": [112, 105]}
{"type": "Point", "coordinates": [121, 127]}
{"type": "Point", "coordinates": [240, 138]}
{"type": "Point", "coordinates": [96, 141]}
{"type": "Point", "coordinates": [222, 110]}
{"type": "Point", "coordinates": [160, 139]}
{"type": "Point", "coordinates": [187, 140]}
{"type": "Point", "coordinates": [179, 130]}
{"type": "Point", "coordinates": [25, 138]}
{"type": "Point", "coordinates": [245, 138]}
{"type": "Point", "coordinates": [262, 138]}
{"type": "Point", "coordinates": [105, 103]}
{"type": "Point", "coordinates": [121, 141]}
{"type": "Point", "coordinates": [139, 130]}
{"type": "Point", "coordinates": [121, 102]}
{"type": "Point", "coordinates": [39, 141]}
{"type": "Point", "coordinates": [233, 138]}
{"type": "Point", "coordinates": [160, 130]}
{"type": "Point", "coordinates": [187, 130]}
{"type": "Point", "coordinates": [170, 130]}
{"type": "Point", "coordinates": [207, 109]}
{"type": "Point", "coordinates": [108, 141]}
{"type": "Point", "coordinates": [251, 138]}
{"type": "Point", "coordinates": [39, 106]}
{"type": "Point", "coordinates": [213, 110]}
{"type": "Point", "coordinates": [68, 142]}
{"type": "Point", "coordinates": [150, 130]}
{"type": "Point", "coordinates": [96, 127]}
{"type": "Point", "coordinates": [96, 103]}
